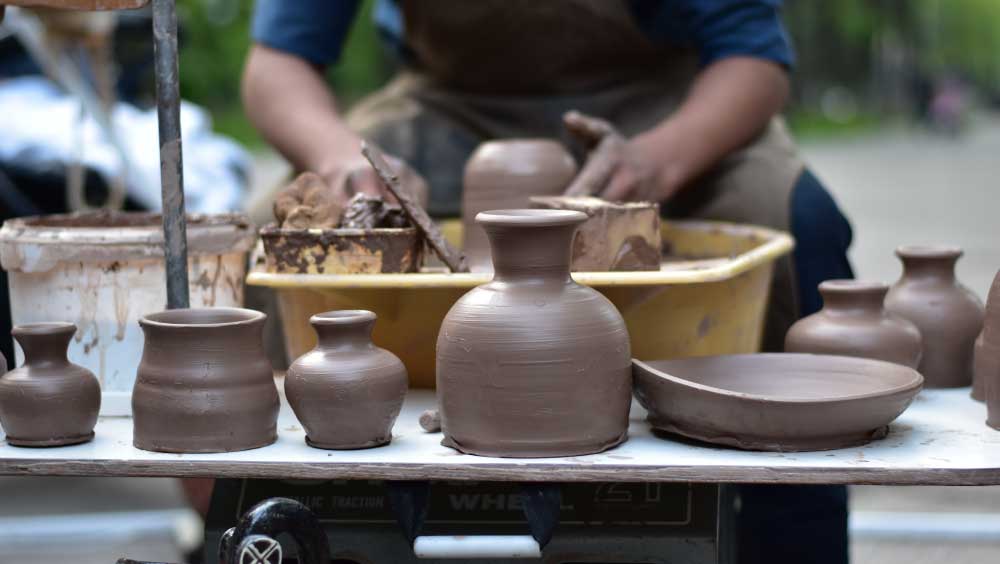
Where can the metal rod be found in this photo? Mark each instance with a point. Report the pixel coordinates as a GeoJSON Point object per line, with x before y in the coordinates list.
{"type": "Point", "coordinates": [168, 106]}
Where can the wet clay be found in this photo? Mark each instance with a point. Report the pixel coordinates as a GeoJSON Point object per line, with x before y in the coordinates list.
{"type": "Point", "coordinates": [365, 211]}
{"type": "Point", "coordinates": [853, 322]}
{"type": "Point", "coordinates": [48, 401]}
{"type": "Point", "coordinates": [533, 364]}
{"type": "Point", "coordinates": [414, 211]}
{"type": "Point", "coordinates": [307, 203]}
{"type": "Point", "coordinates": [986, 358]}
{"type": "Point", "coordinates": [506, 174]}
{"type": "Point", "coordinates": [775, 402]}
{"type": "Point", "coordinates": [616, 236]}
{"type": "Point", "coordinates": [204, 383]}
{"type": "Point", "coordinates": [947, 314]}
{"type": "Point", "coordinates": [430, 421]}
{"type": "Point", "coordinates": [346, 392]}
{"type": "Point", "coordinates": [342, 251]}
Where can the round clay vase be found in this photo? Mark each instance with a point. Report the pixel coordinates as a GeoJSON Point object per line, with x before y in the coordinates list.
{"type": "Point", "coordinates": [533, 364]}
{"type": "Point", "coordinates": [853, 322]}
{"type": "Point", "coordinates": [346, 392]}
{"type": "Point", "coordinates": [947, 314]}
{"type": "Point", "coordinates": [204, 382]}
{"type": "Point", "coordinates": [48, 401]}
{"type": "Point", "coordinates": [505, 174]}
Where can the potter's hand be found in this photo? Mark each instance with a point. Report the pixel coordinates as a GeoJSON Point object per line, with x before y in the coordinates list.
{"type": "Point", "coordinates": [352, 175]}
{"type": "Point", "coordinates": [617, 168]}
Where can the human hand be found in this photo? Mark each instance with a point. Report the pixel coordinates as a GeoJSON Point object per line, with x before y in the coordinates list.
{"type": "Point", "coordinates": [618, 169]}
{"type": "Point", "coordinates": [352, 175]}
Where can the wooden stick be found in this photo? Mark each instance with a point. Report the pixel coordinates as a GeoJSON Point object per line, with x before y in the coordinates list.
{"type": "Point", "coordinates": [450, 255]}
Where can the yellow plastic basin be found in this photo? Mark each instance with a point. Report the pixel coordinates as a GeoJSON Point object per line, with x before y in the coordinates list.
{"type": "Point", "coordinates": [711, 304]}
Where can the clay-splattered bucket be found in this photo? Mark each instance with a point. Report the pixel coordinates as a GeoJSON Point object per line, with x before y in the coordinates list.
{"type": "Point", "coordinates": [104, 270]}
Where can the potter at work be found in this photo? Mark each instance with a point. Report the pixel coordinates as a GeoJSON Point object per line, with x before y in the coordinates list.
{"type": "Point", "coordinates": [48, 401]}
{"type": "Point", "coordinates": [948, 315]}
{"type": "Point", "coordinates": [346, 392]}
{"type": "Point", "coordinates": [204, 383]}
{"type": "Point", "coordinates": [853, 322]}
{"type": "Point", "coordinates": [678, 105]}
{"type": "Point", "coordinates": [533, 364]}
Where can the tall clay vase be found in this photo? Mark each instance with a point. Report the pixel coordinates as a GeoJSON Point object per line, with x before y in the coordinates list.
{"type": "Point", "coordinates": [506, 174]}
{"type": "Point", "coordinates": [346, 392]}
{"type": "Point", "coordinates": [204, 382]}
{"type": "Point", "coordinates": [48, 401]}
{"type": "Point", "coordinates": [947, 314]}
{"type": "Point", "coordinates": [853, 322]}
{"type": "Point", "coordinates": [986, 357]}
{"type": "Point", "coordinates": [533, 364]}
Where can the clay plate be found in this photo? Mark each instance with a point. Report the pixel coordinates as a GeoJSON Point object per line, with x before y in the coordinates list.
{"type": "Point", "coordinates": [775, 402]}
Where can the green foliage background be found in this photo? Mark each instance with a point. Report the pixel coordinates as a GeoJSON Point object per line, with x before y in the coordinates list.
{"type": "Point", "coordinates": [834, 40]}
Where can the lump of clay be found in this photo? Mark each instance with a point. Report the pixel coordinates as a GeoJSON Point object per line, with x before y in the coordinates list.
{"type": "Point", "coordinates": [365, 211]}
{"type": "Point", "coordinates": [307, 203]}
{"type": "Point", "coordinates": [617, 236]}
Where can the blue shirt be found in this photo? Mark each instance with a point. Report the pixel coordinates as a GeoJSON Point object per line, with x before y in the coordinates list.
{"type": "Point", "coordinates": [317, 29]}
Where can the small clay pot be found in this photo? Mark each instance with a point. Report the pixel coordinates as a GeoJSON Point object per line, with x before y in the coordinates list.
{"type": "Point", "coordinates": [346, 392]}
{"type": "Point", "coordinates": [505, 174]}
{"type": "Point", "coordinates": [205, 383]}
{"type": "Point", "coordinates": [48, 401]}
{"type": "Point", "coordinates": [986, 358]}
{"type": "Point", "coordinates": [853, 322]}
{"type": "Point", "coordinates": [533, 364]}
{"type": "Point", "coordinates": [947, 314]}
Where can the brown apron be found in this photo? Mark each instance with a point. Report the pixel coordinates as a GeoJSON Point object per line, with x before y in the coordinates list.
{"type": "Point", "coordinates": [510, 68]}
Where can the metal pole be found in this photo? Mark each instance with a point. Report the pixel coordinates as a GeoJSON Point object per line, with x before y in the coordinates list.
{"type": "Point", "coordinates": [168, 100]}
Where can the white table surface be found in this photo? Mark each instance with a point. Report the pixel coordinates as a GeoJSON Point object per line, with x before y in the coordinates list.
{"type": "Point", "coordinates": [940, 440]}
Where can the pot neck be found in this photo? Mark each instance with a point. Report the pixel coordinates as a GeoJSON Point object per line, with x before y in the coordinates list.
{"type": "Point", "coordinates": [936, 268]}
{"type": "Point", "coordinates": [44, 343]}
{"type": "Point", "coordinates": [852, 297]}
{"type": "Point", "coordinates": [351, 330]}
{"type": "Point", "coordinates": [531, 253]}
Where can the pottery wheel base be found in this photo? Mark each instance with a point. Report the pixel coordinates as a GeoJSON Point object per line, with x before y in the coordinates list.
{"type": "Point", "coordinates": [338, 446]}
{"type": "Point", "coordinates": [772, 445]}
{"type": "Point", "coordinates": [514, 453]}
{"type": "Point", "coordinates": [62, 441]}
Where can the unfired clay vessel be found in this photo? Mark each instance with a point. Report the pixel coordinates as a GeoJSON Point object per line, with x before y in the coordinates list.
{"type": "Point", "coordinates": [986, 359]}
{"type": "Point", "coordinates": [505, 174]}
{"type": "Point", "coordinates": [853, 322]}
{"type": "Point", "coordinates": [48, 401]}
{"type": "Point", "coordinates": [346, 392]}
{"type": "Point", "coordinates": [532, 364]}
{"type": "Point", "coordinates": [204, 383]}
{"type": "Point", "coordinates": [947, 314]}
{"type": "Point", "coordinates": [779, 402]}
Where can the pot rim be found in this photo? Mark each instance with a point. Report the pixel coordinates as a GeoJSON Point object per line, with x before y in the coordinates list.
{"type": "Point", "coordinates": [163, 318]}
{"type": "Point", "coordinates": [44, 328]}
{"type": "Point", "coordinates": [929, 251]}
{"type": "Point", "coordinates": [531, 217]}
{"type": "Point", "coordinates": [847, 285]}
{"type": "Point", "coordinates": [343, 317]}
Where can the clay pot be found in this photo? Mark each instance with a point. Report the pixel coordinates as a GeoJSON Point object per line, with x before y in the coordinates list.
{"type": "Point", "coordinates": [947, 314]}
{"type": "Point", "coordinates": [853, 322]}
{"type": "Point", "coordinates": [987, 382]}
{"type": "Point", "coordinates": [533, 364]}
{"type": "Point", "coordinates": [204, 383]}
{"type": "Point", "coordinates": [505, 174]}
{"type": "Point", "coordinates": [346, 392]}
{"type": "Point", "coordinates": [48, 401]}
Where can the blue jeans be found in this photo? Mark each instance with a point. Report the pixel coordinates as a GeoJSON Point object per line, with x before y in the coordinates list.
{"type": "Point", "coordinates": [789, 523]}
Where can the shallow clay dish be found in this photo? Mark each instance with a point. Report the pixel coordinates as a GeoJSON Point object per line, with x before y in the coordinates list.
{"type": "Point", "coordinates": [777, 402]}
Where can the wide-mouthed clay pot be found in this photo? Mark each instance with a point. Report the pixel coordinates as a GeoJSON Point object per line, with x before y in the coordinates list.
{"type": "Point", "coordinates": [853, 322]}
{"type": "Point", "coordinates": [204, 383]}
{"type": "Point", "coordinates": [48, 401]}
{"type": "Point", "coordinates": [346, 392]}
{"type": "Point", "coordinates": [505, 174]}
{"type": "Point", "coordinates": [947, 314]}
{"type": "Point", "coordinates": [533, 364]}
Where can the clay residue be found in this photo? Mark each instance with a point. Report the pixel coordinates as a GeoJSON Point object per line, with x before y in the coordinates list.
{"type": "Point", "coordinates": [308, 202]}
{"type": "Point", "coordinates": [365, 211]}
{"type": "Point", "coordinates": [636, 254]}
{"type": "Point", "coordinates": [336, 251]}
